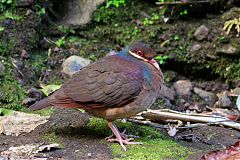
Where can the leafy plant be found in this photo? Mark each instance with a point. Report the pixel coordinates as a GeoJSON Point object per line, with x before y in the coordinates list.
{"type": "Point", "coordinates": [4, 4]}
{"type": "Point", "coordinates": [161, 59]}
{"type": "Point", "coordinates": [40, 10]}
{"type": "Point", "coordinates": [5, 112]}
{"type": "Point", "coordinates": [115, 3]}
{"type": "Point", "coordinates": [65, 29]}
{"type": "Point", "coordinates": [60, 42]}
{"type": "Point", "coordinates": [12, 16]}
{"type": "Point", "coordinates": [184, 12]}
{"type": "Point", "coordinates": [1, 28]}
{"type": "Point", "coordinates": [228, 25]}
{"type": "Point", "coordinates": [150, 21]}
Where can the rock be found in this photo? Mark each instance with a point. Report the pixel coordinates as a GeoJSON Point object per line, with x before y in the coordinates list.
{"type": "Point", "coordinates": [75, 12]}
{"type": "Point", "coordinates": [236, 91]}
{"type": "Point", "coordinates": [34, 93]}
{"type": "Point", "coordinates": [18, 122]}
{"type": "Point", "coordinates": [229, 50]}
{"type": "Point", "coordinates": [209, 97]}
{"type": "Point", "coordinates": [201, 33]}
{"type": "Point", "coordinates": [195, 47]}
{"type": "Point", "coordinates": [73, 64]}
{"type": "Point", "coordinates": [183, 87]}
{"type": "Point", "coordinates": [167, 92]}
{"type": "Point", "coordinates": [62, 119]}
{"type": "Point", "coordinates": [224, 100]}
{"type": "Point", "coordinates": [29, 101]}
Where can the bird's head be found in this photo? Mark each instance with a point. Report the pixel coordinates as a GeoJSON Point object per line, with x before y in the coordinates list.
{"type": "Point", "coordinates": [143, 52]}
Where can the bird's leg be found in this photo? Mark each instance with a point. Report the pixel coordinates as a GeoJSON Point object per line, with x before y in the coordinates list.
{"type": "Point", "coordinates": [121, 138]}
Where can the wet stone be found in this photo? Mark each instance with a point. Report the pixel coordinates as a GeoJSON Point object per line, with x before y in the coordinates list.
{"type": "Point", "coordinates": [201, 33]}
{"type": "Point", "coordinates": [183, 87]}
{"type": "Point", "coordinates": [73, 64]}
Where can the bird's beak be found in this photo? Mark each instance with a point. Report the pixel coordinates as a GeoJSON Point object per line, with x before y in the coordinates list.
{"type": "Point", "coordinates": [154, 63]}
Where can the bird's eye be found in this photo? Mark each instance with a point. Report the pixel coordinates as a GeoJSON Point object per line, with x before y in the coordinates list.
{"type": "Point", "coordinates": [140, 53]}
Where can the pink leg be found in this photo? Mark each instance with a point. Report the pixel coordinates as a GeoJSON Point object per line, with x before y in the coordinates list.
{"type": "Point", "coordinates": [121, 138]}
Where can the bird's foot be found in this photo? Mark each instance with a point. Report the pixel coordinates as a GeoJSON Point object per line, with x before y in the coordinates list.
{"type": "Point", "coordinates": [121, 138]}
{"type": "Point", "coordinates": [123, 135]}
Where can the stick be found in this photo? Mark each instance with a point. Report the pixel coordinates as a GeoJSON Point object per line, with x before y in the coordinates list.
{"type": "Point", "coordinates": [181, 2]}
{"type": "Point", "coordinates": [160, 115]}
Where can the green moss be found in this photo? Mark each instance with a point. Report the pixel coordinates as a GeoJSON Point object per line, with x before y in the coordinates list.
{"type": "Point", "coordinates": [44, 112]}
{"type": "Point", "coordinates": [52, 138]}
{"type": "Point", "coordinates": [155, 145]}
{"type": "Point", "coordinates": [11, 92]}
{"type": "Point", "coordinates": [152, 149]}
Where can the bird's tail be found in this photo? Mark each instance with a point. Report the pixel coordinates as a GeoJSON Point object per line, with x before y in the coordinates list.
{"type": "Point", "coordinates": [40, 104]}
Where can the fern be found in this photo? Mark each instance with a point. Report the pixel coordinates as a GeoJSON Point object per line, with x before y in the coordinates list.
{"type": "Point", "coordinates": [228, 25]}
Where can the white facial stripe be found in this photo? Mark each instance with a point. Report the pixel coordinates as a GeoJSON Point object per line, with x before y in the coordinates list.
{"type": "Point", "coordinates": [137, 56]}
{"type": "Point", "coordinates": [155, 64]}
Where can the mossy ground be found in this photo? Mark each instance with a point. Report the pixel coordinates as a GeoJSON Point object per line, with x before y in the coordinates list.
{"type": "Point", "coordinates": [52, 138]}
{"type": "Point", "coordinates": [155, 145]}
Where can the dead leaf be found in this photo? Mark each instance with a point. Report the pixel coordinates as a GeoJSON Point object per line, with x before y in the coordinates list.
{"type": "Point", "coordinates": [172, 130]}
{"type": "Point", "coordinates": [50, 89]}
{"type": "Point", "coordinates": [19, 122]}
{"type": "Point", "coordinates": [231, 153]}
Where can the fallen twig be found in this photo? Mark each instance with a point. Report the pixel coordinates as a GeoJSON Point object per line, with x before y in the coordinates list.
{"type": "Point", "coordinates": [162, 115]}
{"type": "Point", "coordinates": [181, 2]}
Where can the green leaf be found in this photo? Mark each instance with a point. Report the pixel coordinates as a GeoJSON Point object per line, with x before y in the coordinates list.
{"type": "Point", "coordinates": [1, 28]}
{"type": "Point", "coordinates": [5, 112]}
{"type": "Point", "coordinates": [60, 42]}
{"type": "Point", "coordinates": [50, 89]}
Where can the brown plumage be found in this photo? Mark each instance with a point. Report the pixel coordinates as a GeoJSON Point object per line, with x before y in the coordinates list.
{"type": "Point", "coordinates": [115, 87]}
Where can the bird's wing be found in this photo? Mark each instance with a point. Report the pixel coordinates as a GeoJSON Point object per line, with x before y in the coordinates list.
{"type": "Point", "coordinates": [105, 84]}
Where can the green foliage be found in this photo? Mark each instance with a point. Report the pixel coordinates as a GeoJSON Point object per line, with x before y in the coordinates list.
{"type": "Point", "coordinates": [2, 49]}
{"type": "Point", "coordinates": [152, 20]}
{"type": "Point", "coordinates": [65, 29]}
{"type": "Point", "coordinates": [12, 16]}
{"type": "Point", "coordinates": [4, 4]}
{"type": "Point", "coordinates": [184, 12]}
{"type": "Point", "coordinates": [11, 93]}
{"type": "Point", "coordinates": [1, 28]}
{"type": "Point", "coordinates": [92, 57]}
{"type": "Point", "coordinates": [5, 112]}
{"type": "Point", "coordinates": [115, 3]}
{"type": "Point", "coordinates": [161, 59]}
{"type": "Point", "coordinates": [40, 10]}
{"type": "Point", "coordinates": [60, 42]}
{"type": "Point", "coordinates": [104, 14]}
{"type": "Point", "coordinates": [228, 25]}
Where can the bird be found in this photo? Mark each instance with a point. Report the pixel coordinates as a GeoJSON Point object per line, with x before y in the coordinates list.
{"type": "Point", "coordinates": [117, 86]}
